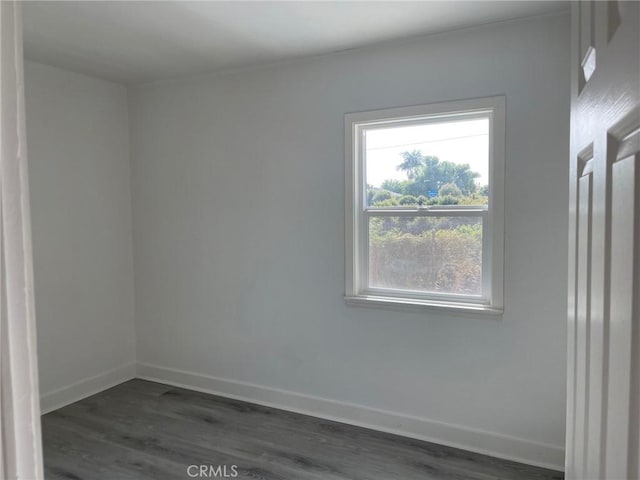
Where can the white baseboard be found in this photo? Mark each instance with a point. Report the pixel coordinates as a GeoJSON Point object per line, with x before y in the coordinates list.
{"type": "Point", "coordinates": [86, 387]}
{"type": "Point", "coordinates": [480, 441]}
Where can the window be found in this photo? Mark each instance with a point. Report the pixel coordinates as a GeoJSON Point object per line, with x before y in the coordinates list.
{"type": "Point", "coordinates": [425, 206]}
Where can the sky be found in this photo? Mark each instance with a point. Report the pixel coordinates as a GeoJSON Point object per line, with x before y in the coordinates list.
{"type": "Point", "coordinates": [462, 141]}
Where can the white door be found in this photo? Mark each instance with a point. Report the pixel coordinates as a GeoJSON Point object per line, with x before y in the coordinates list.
{"type": "Point", "coordinates": [603, 401]}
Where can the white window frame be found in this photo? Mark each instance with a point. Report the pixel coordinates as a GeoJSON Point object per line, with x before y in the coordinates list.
{"type": "Point", "coordinates": [357, 291]}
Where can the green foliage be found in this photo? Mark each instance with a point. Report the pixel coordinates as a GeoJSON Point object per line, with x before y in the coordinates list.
{"type": "Point", "coordinates": [411, 164]}
{"type": "Point", "coordinates": [426, 253]}
{"type": "Point", "coordinates": [475, 199]}
{"type": "Point", "coordinates": [454, 184]}
{"type": "Point", "coordinates": [450, 189]}
{"type": "Point", "coordinates": [371, 190]}
{"type": "Point", "coordinates": [390, 202]}
{"type": "Point", "coordinates": [397, 186]}
{"type": "Point", "coordinates": [434, 254]}
{"type": "Point", "coordinates": [408, 200]}
{"type": "Point", "coordinates": [380, 196]}
{"type": "Point", "coordinates": [426, 173]}
{"type": "Point", "coordinates": [447, 200]}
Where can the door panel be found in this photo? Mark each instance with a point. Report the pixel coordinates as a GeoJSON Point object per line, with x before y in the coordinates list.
{"type": "Point", "coordinates": [622, 331]}
{"type": "Point", "coordinates": [583, 320]}
{"type": "Point", "coordinates": [603, 382]}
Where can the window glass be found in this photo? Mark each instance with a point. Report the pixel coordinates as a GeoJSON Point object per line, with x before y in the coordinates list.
{"type": "Point", "coordinates": [440, 254]}
{"type": "Point", "coordinates": [434, 163]}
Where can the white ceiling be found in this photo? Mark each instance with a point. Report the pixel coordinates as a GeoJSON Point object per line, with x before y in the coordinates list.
{"type": "Point", "coordinates": [133, 42]}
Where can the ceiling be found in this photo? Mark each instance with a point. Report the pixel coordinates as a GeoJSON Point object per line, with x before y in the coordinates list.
{"type": "Point", "coordinates": [135, 42]}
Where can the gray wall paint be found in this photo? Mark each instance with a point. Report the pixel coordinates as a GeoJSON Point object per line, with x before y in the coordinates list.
{"type": "Point", "coordinates": [238, 201]}
{"type": "Point", "coordinates": [78, 137]}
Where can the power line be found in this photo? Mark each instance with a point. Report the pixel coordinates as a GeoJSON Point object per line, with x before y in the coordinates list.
{"type": "Point", "coordinates": [428, 141]}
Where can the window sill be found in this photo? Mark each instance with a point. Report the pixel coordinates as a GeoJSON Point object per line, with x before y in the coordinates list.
{"type": "Point", "coordinates": [409, 305]}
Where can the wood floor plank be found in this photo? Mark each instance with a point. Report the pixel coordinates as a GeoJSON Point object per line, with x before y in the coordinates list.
{"type": "Point", "coordinates": [142, 430]}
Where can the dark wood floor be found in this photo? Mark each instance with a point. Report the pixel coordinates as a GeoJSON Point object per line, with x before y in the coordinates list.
{"type": "Point", "coordinates": [143, 430]}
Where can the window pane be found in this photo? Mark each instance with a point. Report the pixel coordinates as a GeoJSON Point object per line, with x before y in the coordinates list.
{"type": "Point", "coordinates": [426, 254]}
{"type": "Point", "coordinates": [443, 163]}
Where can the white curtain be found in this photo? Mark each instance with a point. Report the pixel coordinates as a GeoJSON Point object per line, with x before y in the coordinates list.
{"type": "Point", "coordinates": [20, 445]}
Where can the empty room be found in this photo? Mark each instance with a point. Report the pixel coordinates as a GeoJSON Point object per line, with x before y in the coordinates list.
{"type": "Point", "coordinates": [301, 240]}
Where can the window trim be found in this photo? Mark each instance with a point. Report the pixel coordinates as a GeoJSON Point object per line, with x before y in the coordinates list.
{"type": "Point", "coordinates": [356, 213]}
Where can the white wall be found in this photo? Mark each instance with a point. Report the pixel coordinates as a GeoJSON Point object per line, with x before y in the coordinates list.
{"type": "Point", "coordinates": [78, 140]}
{"type": "Point", "coordinates": [238, 201]}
